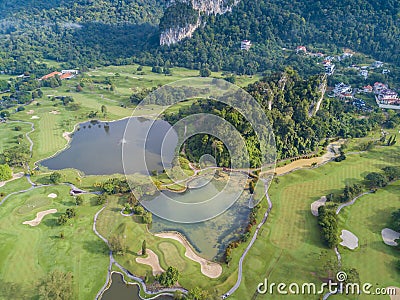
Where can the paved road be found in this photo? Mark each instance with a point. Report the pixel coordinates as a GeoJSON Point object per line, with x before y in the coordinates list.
{"type": "Point", "coordinates": [240, 272]}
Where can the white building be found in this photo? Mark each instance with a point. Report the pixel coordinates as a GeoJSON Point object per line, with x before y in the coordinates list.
{"type": "Point", "coordinates": [245, 45]}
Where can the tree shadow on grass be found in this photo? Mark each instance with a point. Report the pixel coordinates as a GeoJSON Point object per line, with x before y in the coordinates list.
{"type": "Point", "coordinates": [96, 247]}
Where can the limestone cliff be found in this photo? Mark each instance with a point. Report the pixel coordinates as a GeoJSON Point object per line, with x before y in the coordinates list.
{"type": "Point", "coordinates": [183, 17]}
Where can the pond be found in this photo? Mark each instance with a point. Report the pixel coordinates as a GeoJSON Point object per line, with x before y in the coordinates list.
{"type": "Point", "coordinates": [122, 291]}
{"type": "Point", "coordinates": [96, 147]}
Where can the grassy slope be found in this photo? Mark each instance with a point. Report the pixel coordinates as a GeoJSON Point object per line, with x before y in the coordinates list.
{"type": "Point", "coordinates": [289, 247]}
{"type": "Point", "coordinates": [28, 253]}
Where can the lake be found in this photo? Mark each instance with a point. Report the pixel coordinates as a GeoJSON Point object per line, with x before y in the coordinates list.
{"type": "Point", "coordinates": [96, 147]}
{"type": "Point", "coordinates": [122, 291]}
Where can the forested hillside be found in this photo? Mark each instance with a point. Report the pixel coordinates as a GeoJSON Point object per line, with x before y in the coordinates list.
{"type": "Point", "coordinates": [87, 33]}
{"type": "Point", "coordinates": [371, 27]}
{"type": "Point", "coordinates": [286, 99]}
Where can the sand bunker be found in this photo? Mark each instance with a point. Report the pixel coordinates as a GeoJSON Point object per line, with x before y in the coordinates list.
{"type": "Point", "coordinates": [394, 295]}
{"type": "Point", "coordinates": [30, 112]}
{"type": "Point", "coordinates": [52, 195]}
{"type": "Point", "coordinates": [349, 240]}
{"type": "Point", "coordinates": [152, 261]}
{"type": "Point", "coordinates": [317, 204]}
{"type": "Point", "coordinates": [67, 136]}
{"type": "Point", "coordinates": [208, 268]}
{"type": "Point", "coordinates": [14, 177]}
{"type": "Point", "coordinates": [35, 117]}
{"type": "Point", "coordinates": [389, 236]}
{"type": "Point", "coordinates": [55, 112]}
{"type": "Point", "coordinates": [39, 217]}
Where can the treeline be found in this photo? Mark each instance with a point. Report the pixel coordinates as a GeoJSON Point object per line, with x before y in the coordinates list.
{"type": "Point", "coordinates": [327, 217]}
{"type": "Point", "coordinates": [286, 99]}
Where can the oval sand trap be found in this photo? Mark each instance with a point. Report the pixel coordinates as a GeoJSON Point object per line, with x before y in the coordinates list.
{"type": "Point", "coordinates": [52, 195]}
{"type": "Point", "coordinates": [208, 268]}
{"type": "Point", "coordinates": [394, 291]}
{"type": "Point", "coordinates": [317, 204]}
{"type": "Point", "coordinates": [39, 217]}
{"type": "Point", "coordinates": [349, 240]}
{"type": "Point", "coordinates": [389, 236]}
{"type": "Point", "coordinates": [152, 261]}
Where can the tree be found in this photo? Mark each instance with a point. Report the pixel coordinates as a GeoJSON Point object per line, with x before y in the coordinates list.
{"type": "Point", "coordinates": [56, 285]}
{"type": "Point", "coordinates": [376, 180]}
{"type": "Point", "coordinates": [62, 219]}
{"type": "Point", "coordinates": [147, 217]}
{"type": "Point", "coordinates": [55, 177]}
{"type": "Point", "coordinates": [101, 199]}
{"type": "Point", "coordinates": [392, 172]}
{"type": "Point", "coordinates": [168, 278]}
{"type": "Point", "coordinates": [17, 128]}
{"type": "Point", "coordinates": [104, 110]}
{"type": "Point", "coordinates": [70, 213]}
{"type": "Point", "coordinates": [117, 244]}
{"type": "Point", "coordinates": [5, 172]}
{"type": "Point", "coordinates": [197, 294]}
{"type": "Point", "coordinates": [144, 247]}
{"type": "Point", "coordinates": [395, 220]}
{"type": "Point", "coordinates": [79, 200]}
{"type": "Point", "coordinates": [16, 156]}
{"type": "Point", "coordinates": [204, 72]}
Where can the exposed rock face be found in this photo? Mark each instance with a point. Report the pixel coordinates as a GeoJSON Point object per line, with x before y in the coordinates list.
{"type": "Point", "coordinates": [209, 7]}
{"type": "Point", "coordinates": [174, 35]}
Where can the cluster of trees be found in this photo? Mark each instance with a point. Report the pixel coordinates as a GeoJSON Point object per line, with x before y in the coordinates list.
{"type": "Point", "coordinates": [168, 278]}
{"type": "Point", "coordinates": [376, 180]}
{"type": "Point", "coordinates": [69, 214]}
{"type": "Point", "coordinates": [115, 186]}
{"type": "Point", "coordinates": [244, 236]}
{"type": "Point", "coordinates": [286, 98]}
{"type": "Point", "coordinates": [349, 193]}
{"type": "Point", "coordinates": [55, 177]}
{"type": "Point", "coordinates": [57, 285]}
{"type": "Point", "coordinates": [328, 221]}
{"type": "Point", "coordinates": [5, 172]}
{"type": "Point", "coordinates": [16, 156]}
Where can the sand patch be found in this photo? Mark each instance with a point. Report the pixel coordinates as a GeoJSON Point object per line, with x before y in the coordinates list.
{"type": "Point", "coordinates": [67, 136]}
{"type": "Point", "coordinates": [39, 217]}
{"type": "Point", "coordinates": [30, 112]}
{"type": "Point", "coordinates": [396, 294]}
{"type": "Point", "coordinates": [152, 261]}
{"type": "Point", "coordinates": [52, 195]}
{"type": "Point", "coordinates": [14, 177]}
{"type": "Point", "coordinates": [317, 204]}
{"type": "Point", "coordinates": [349, 240]}
{"type": "Point", "coordinates": [35, 117]}
{"type": "Point", "coordinates": [55, 112]}
{"type": "Point", "coordinates": [208, 268]}
{"type": "Point", "coordinates": [332, 151]}
{"type": "Point", "coordinates": [389, 236]}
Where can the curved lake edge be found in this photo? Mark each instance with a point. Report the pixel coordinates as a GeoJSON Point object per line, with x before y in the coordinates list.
{"type": "Point", "coordinates": [139, 285]}
{"type": "Point", "coordinates": [74, 130]}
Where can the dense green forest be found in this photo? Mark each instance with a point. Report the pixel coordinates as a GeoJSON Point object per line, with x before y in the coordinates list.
{"type": "Point", "coordinates": [89, 33]}
{"type": "Point", "coordinates": [286, 99]}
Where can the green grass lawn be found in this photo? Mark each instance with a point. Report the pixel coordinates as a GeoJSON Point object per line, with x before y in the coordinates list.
{"type": "Point", "coordinates": [27, 253]}
{"type": "Point", "coordinates": [289, 248]}
{"type": "Point", "coordinates": [374, 260]}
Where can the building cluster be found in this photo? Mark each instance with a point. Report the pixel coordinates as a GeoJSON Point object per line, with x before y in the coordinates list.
{"type": "Point", "coordinates": [384, 95]}
{"type": "Point", "coordinates": [343, 91]}
{"type": "Point", "coordinates": [64, 74]}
